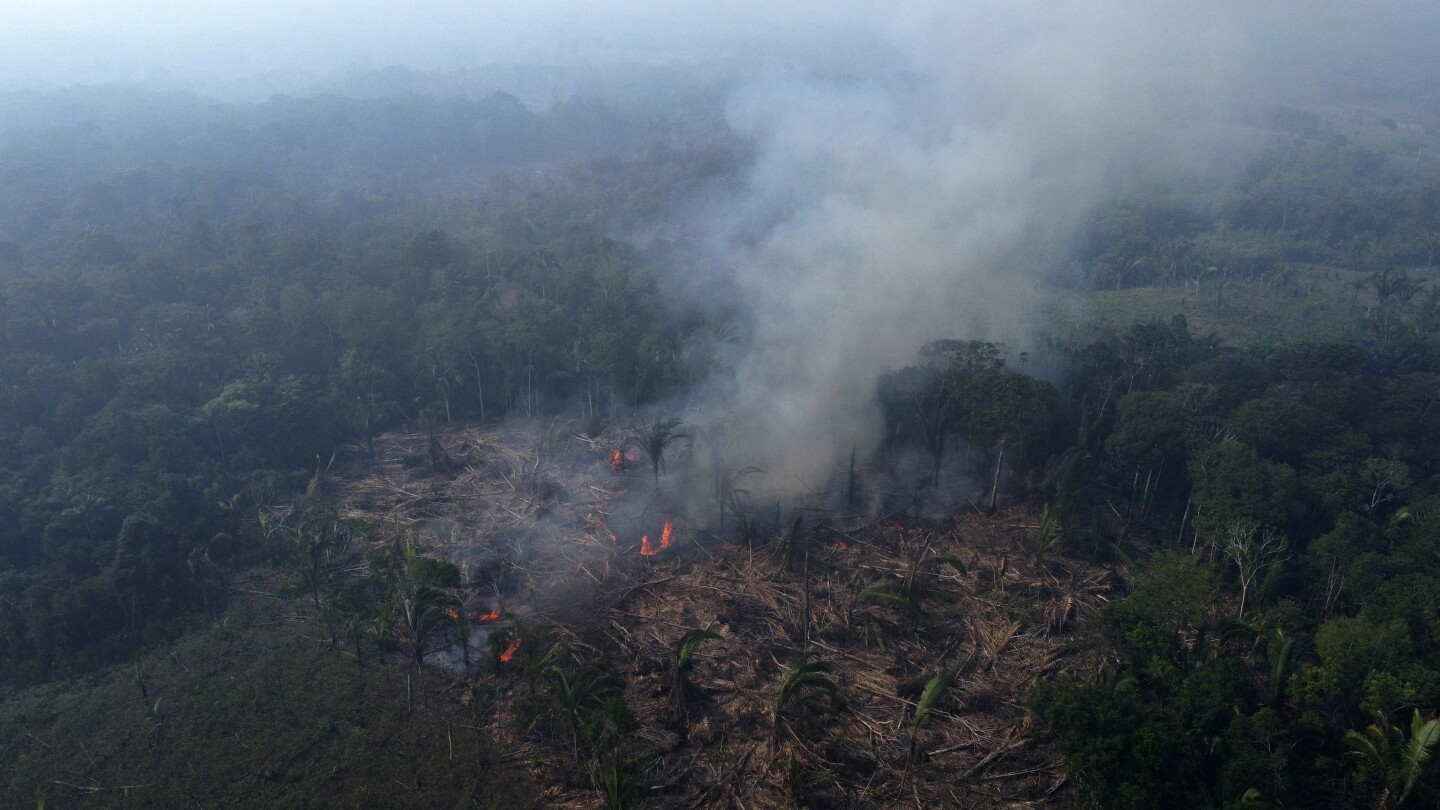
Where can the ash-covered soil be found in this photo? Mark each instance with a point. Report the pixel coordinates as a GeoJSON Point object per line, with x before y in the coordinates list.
{"type": "Point", "coordinates": [827, 626]}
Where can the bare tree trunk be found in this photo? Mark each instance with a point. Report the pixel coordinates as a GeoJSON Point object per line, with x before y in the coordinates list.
{"type": "Point", "coordinates": [995, 480]}
{"type": "Point", "coordinates": [805, 630]}
{"type": "Point", "coordinates": [1181, 537]}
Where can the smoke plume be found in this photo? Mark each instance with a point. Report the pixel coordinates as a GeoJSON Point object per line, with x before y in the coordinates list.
{"type": "Point", "coordinates": [921, 189]}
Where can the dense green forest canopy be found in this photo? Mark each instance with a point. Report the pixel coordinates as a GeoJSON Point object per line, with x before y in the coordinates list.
{"type": "Point", "coordinates": [201, 301]}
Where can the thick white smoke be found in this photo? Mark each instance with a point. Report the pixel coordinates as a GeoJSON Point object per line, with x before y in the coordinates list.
{"type": "Point", "coordinates": [921, 196]}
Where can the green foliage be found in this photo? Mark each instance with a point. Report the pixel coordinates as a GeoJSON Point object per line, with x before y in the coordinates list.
{"type": "Point", "coordinates": [931, 697]}
{"type": "Point", "coordinates": [913, 587]}
{"type": "Point", "coordinates": [1392, 759]}
{"type": "Point", "coordinates": [684, 694]}
{"type": "Point", "coordinates": [1168, 602]}
{"type": "Point", "coordinates": [616, 780]}
{"type": "Point", "coordinates": [654, 439]}
{"type": "Point", "coordinates": [177, 364]}
{"type": "Point", "coordinates": [1123, 752]}
{"type": "Point", "coordinates": [962, 388]}
{"type": "Point", "coordinates": [805, 680]}
{"type": "Point", "coordinates": [584, 698]}
{"type": "Point", "coordinates": [252, 713]}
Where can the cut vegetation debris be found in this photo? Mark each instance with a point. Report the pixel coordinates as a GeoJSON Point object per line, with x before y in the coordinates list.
{"type": "Point", "coordinates": [816, 641]}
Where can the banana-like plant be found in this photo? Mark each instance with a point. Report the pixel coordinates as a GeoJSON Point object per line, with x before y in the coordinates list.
{"type": "Point", "coordinates": [654, 439]}
{"type": "Point", "coordinates": [425, 609]}
{"type": "Point", "coordinates": [684, 694]}
{"type": "Point", "coordinates": [1397, 761]}
{"type": "Point", "coordinates": [1048, 536]}
{"type": "Point", "coordinates": [581, 696]}
{"type": "Point", "coordinates": [909, 592]}
{"type": "Point", "coordinates": [930, 699]}
{"type": "Point", "coordinates": [806, 679]}
{"type": "Point", "coordinates": [616, 781]}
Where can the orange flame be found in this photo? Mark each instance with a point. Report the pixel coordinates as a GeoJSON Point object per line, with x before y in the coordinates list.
{"type": "Point", "coordinates": [454, 614]}
{"type": "Point", "coordinates": [617, 460]}
{"type": "Point", "coordinates": [647, 550]}
{"type": "Point", "coordinates": [491, 616]}
{"type": "Point", "coordinates": [510, 651]}
{"type": "Point", "coordinates": [666, 534]}
{"type": "Point", "coordinates": [841, 545]}
{"type": "Point", "coordinates": [613, 538]}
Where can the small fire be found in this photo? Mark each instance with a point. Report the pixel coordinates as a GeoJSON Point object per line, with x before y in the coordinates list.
{"type": "Point", "coordinates": [617, 461]}
{"type": "Point", "coordinates": [613, 538]}
{"type": "Point", "coordinates": [666, 534]}
{"type": "Point", "coordinates": [510, 651]}
{"type": "Point", "coordinates": [489, 617]}
{"type": "Point", "coordinates": [841, 545]}
{"type": "Point", "coordinates": [647, 550]}
{"type": "Point", "coordinates": [453, 613]}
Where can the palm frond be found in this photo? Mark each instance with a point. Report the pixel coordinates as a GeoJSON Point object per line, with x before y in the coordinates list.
{"type": "Point", "coordinates": [930, 698]}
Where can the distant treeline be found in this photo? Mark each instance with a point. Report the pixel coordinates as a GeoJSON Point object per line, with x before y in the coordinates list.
{"type": "Point", "coordinates": [199, 303]}
{"type": "Point", "coordinates": [1319, 198]}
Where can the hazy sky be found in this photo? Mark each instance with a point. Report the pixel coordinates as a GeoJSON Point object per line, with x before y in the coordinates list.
{"type": "Point", "coordinates": [197, 42]}
{"type": "Point", "coordinates": [64, 41]}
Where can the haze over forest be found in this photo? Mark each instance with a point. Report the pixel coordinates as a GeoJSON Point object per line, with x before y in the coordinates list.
{"type": "Point", "coordinates": [1084, 351]}
{"type": "Point", "coordinates": [914, 167]}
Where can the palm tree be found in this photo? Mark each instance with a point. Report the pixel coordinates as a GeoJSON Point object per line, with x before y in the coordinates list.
{"type": "Point", "coordinates": [316, 536]}
{"type": "Point", "coordinates": [616, 780]}
{"type": "Point", "coordinates": [654, 439]}
{"type": "Point", "coordinates": [425, 609]}
{"type": "Point", "coordinates": [909, 592]}
{"type": "Point", "coordinates": [1398, 762]}
{"type": "Point", "coordinates": [729, 493]}
{"type": "Point", "coordinates": [807, 677]}
{"type": "Point", "coordinates": [683, 692]}
{"type": "Point", "coordinates": [581, 696]}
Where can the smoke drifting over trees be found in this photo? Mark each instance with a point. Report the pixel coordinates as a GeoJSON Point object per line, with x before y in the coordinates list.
{"type": "Point", "coordinates": [918, 167]}
{"type": "Point", "coordinates": [922, 190]}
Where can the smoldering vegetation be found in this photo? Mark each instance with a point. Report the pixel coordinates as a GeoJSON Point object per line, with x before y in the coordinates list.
{"type": "Point", "coordinates": [840, 408]}
{"type": "Point", "coordinates": [573, 561]}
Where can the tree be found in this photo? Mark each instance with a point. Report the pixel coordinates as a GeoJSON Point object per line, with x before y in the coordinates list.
{"type": "Point", "coordinates": [1395, 761]}
{"type": "Point", "coordinates": [654, 439]}
{"type": "Point", "coordinates": [805, 679]}
{"type": "Point", "coordinates": [424, 609]}
{"type": "Point", "coordinates": [1123, 750]}
{"type": "Point", "coordinates": [684, 694]}
{"type": "Point", "coordinates": [932, 400]}
{"type": "Point", "coordinates": [316, 535]}
{"type": "Point", "coordinates": [1252, 551]}
{"type": "Point", "coordinates": [1002, 406]}
{"type": "Point", "coordinates": [909, 592]}
{"type": "Point", "coordinates": [1383, 478]}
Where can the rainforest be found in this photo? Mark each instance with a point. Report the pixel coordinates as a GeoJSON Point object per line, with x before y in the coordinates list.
{"type": "Point", "coordinates": [661, 412]}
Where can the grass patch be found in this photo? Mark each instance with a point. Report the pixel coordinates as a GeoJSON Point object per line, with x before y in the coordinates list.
{"type": "Point", "coordinates": [256, 711]}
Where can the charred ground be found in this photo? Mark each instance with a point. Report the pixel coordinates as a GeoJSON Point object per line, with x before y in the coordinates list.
{"type": "Point", "coordinates": [599, 695]}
